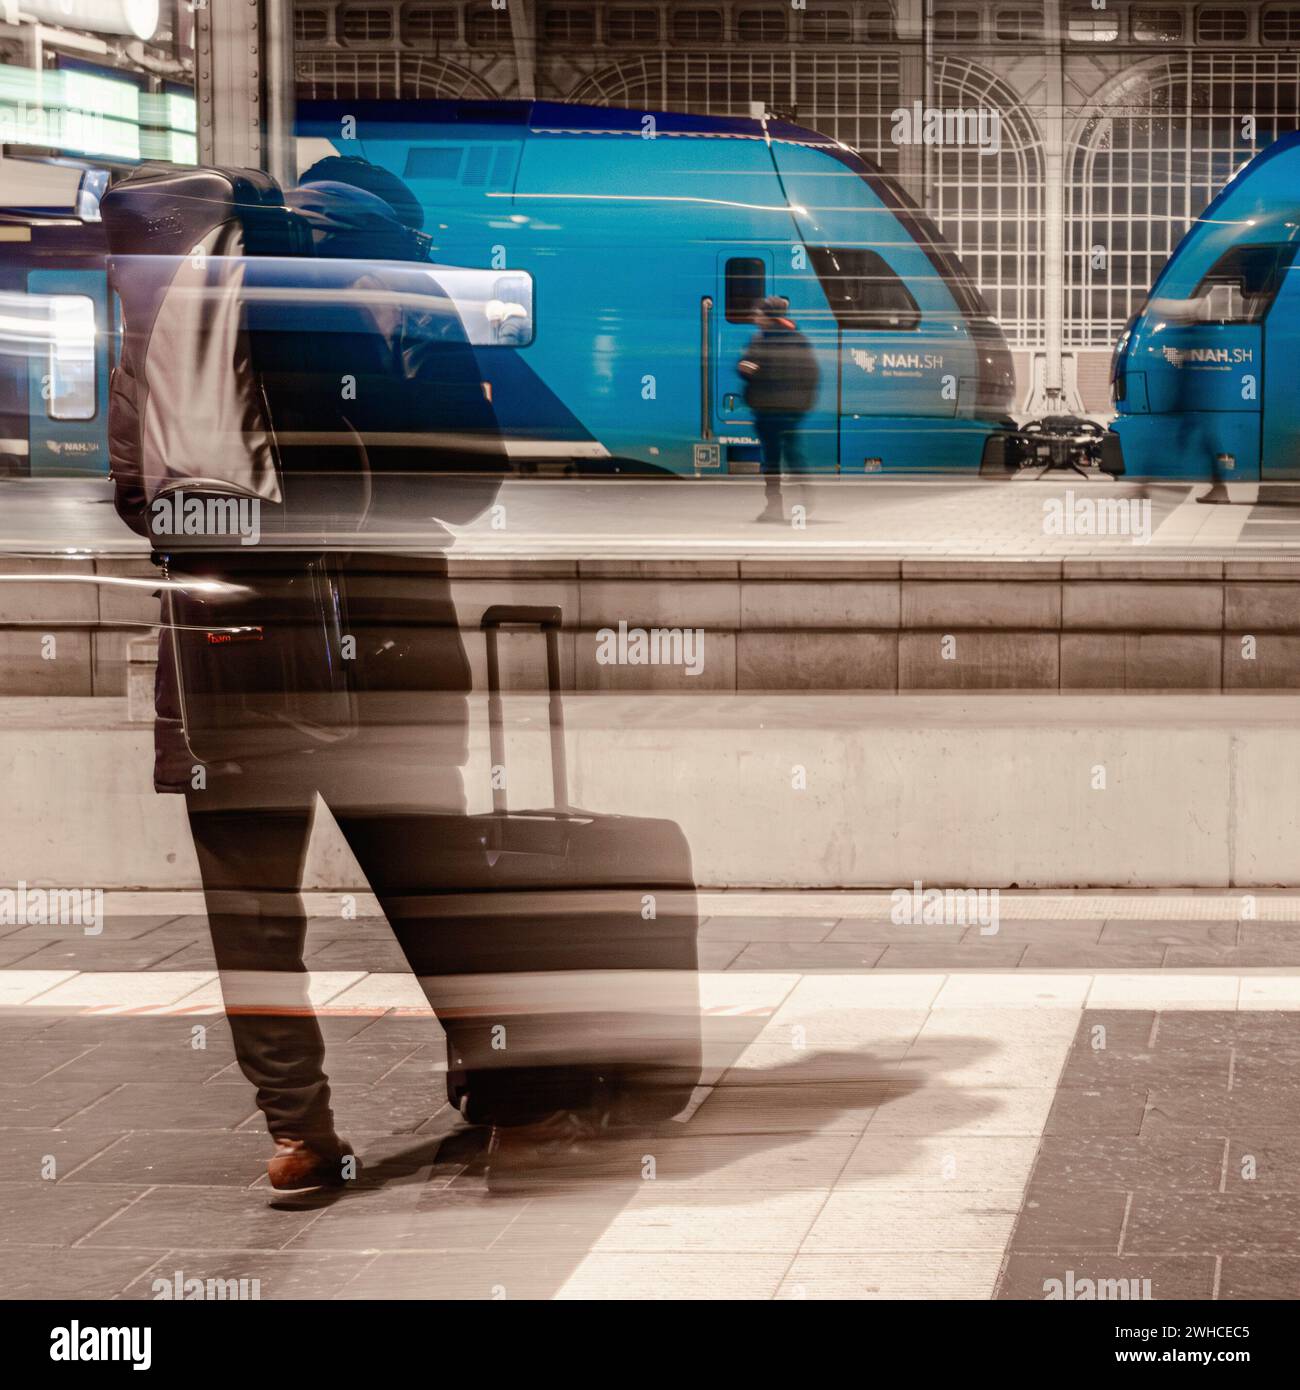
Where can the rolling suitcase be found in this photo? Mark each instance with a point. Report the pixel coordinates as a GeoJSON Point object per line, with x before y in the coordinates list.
{"type": "Point", "coordinates": [557, 946]}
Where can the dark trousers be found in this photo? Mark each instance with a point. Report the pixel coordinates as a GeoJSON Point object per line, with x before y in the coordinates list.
{"type": "Point", "coordinates": [778, 437]}
{"type": "Point", "coordinates": [614, 1022]}
{"type": "Point", "coordinates": [251, 860]}
{"type": "Point", "coordinates": [251, 825]}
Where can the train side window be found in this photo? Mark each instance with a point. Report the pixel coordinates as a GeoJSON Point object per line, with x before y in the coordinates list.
{"type": "Point", "coordinates": [494, 310]}
{"type": "Point", "coordinates": [1243, 284]}
{"type": "Point", "coordinates": [70, 394]}
{"type": "Point", "coordinates": [862, 290]}
{"type": "Point", "coordinates": [746, 285]}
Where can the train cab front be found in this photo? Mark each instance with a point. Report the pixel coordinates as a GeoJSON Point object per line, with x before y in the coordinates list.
{"type": "Point", "coordinates": [1187, 386]}
{"type": "Point", "coordinates": [994, 396]}
{"type": "Point", "coordinates": [1188, 377]}
{"type": "Point", "coordinates": [1192, 373]}
{"type": "Point", "coordinates": [1128, 396]}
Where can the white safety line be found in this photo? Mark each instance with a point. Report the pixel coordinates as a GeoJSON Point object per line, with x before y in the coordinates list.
{"type": "Point", "coordinates": [165, 992]}
{"type": "Point", "coordinates": [904, 1123]}
{"type": "Point", "coordinates": [1152, 905]}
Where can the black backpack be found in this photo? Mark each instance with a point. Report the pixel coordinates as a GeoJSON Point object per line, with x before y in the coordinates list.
{"type": "Point", "coordinates": [253, 639]}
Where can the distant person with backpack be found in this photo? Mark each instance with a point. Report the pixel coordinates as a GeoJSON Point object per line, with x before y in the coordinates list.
{"type": "Point", "coordinates": [781, 378]}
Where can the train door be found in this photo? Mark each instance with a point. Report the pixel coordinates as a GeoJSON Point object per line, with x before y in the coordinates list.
{"type": "Point", "coordinates": [67, 386]}
{"type": "Point", "coordinates": [1280, 433]}
{"type": "Point", "coordinates": [744, 278]}
{"type": "Point", "coordinates": [895, 377]}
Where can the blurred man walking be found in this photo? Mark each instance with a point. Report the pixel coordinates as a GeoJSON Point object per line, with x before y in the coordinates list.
{"type": "Point", "coordinates": [781, 377]}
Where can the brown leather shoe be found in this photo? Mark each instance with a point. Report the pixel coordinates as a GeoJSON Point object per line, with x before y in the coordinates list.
{"type": "Point", "coordinates": [304, 1163]}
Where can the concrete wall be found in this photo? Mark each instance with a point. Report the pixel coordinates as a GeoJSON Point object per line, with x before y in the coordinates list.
{"type": "Point", "coordinates": [1108, 790]}
{"type": "Point", "coordinates": [779, 625]}
{"type": "Point", "coordinates": [64, 630]}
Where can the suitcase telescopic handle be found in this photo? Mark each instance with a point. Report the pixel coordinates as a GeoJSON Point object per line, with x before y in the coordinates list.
{"type": "Point", "coordinates": [549, 620]}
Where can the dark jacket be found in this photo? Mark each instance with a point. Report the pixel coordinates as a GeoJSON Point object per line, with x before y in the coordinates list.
{"type": "Point", "coordinates": [780, 371]}
{"type": "Point", "coordinates": [413, 439]}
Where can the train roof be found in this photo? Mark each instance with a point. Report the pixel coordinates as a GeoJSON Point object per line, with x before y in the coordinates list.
{"type": "Point", "coordinates": [542, 117]}
{"type": "Point", "coordinates": [1210, 231]}
{"type": "Point", "coordinates": [1284, 144]}
{"type": "Point", "coordinates": [1288, 141]}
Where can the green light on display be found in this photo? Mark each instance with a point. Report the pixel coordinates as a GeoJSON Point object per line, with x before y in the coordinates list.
{"type": "Point", "coordinates": [87, 113]}
{"type": "Point", "coordinates": [172, 110]}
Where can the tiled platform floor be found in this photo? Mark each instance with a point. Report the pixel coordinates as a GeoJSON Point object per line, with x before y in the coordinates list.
{"type": "Point", "coordinates": [947, 1127]}
{"type": "Point", "coordinates": [1171, 1157]}
{"type": "Point", "coordinates": [699, 518]}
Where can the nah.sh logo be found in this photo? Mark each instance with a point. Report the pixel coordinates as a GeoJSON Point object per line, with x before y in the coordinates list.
{"type": "Point", "coordinates": [1180, 357]}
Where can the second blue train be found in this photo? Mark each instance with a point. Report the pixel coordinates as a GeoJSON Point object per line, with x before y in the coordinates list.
{"type": "Point", "coordinates": [1207, 376]}
{"type": "Point", "coordinates": [647, 239]}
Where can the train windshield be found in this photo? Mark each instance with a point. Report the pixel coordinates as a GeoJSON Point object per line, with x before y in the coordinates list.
{"type": "Point", "coordinates": [1243, 284]}
{"type": "Point", "coordinates": [862, 290]}
{"type": "Point", "coordinates": [918, 225]}
{"type": "Point", "coordinates": [1240, 287]}
{"type": "Point", "coordinates": [925, 232]}
{"type": "Point", "coordinates": [995, 373]}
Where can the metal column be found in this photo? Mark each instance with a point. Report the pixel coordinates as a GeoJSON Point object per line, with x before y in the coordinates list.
{"type": "Point", "coordinates": [277, 39]}
{"type": "Point", "coordinates": [523, 29]}
{"type": "Point", "coordinates": [914, 85]}
{"type": "Point", "coordinates": [243, 80]}
{"type": "Point", "coordinates": [1051, 396]}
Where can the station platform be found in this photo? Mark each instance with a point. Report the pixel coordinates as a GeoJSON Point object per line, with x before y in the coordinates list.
{"type": "Point", "coordinates": [907, 586]}
{"type": "Point", "coordinates": [1031, 514]}
{"type": "Point", "coordinates": [1099, 1091]}
{"type": "Point", "coordinates": [1092, 1100]}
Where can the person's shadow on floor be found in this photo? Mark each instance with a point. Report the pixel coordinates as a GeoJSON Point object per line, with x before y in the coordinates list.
{"type": "Point", "coordinates": [753, 1113]}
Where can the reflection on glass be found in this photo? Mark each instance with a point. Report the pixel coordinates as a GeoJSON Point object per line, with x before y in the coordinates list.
{"type": "Point", "coordinates": [496, 310]}
{"type": "Point", "coordinates": [71, 393]}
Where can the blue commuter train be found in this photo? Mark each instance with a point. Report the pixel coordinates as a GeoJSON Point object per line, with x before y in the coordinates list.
{"type": "Point", "coordinates": [632, 248]}
{"type": "Point", "coordinates": [1206, 378]}
{"type": "Point", "coordinates": [56, 344]}
{"type": "Point", "coordinates": [649, 237]}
